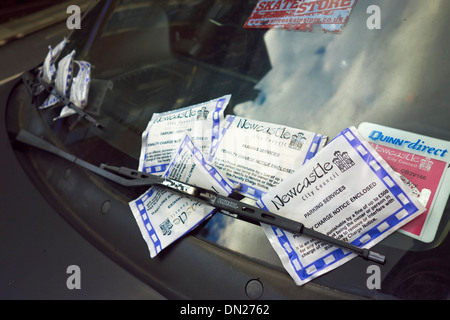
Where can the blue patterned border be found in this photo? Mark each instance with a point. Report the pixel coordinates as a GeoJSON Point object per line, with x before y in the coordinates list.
{"type": "Point", "coordinates": [146, 221]}
{"type": "Point", "coordinates": [221, 103]}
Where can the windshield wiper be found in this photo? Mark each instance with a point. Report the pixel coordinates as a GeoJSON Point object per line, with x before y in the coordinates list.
{"type": "Point", "coordinates": [66, 102]}
{"type": "Point", "coordinates": [132, 178]}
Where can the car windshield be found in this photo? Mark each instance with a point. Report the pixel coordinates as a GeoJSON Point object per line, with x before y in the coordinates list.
{"type": "Point", "coordinates": [155, 56]}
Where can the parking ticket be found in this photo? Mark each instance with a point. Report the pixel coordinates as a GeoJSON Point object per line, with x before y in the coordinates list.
{"type": "Point", "coordinates": [63, 80]}
{"type": "Point", "coordinates": [79, 90]}
{"type": "Point", "coordinates": [346, 191]}
{"type": "Point", "coordinates": [48, 67]}
{"type": "Point", "coordinates": [423, 163]}
{"type": "Point", "coordinates": [258, 155]}
{"type": "Point", "coordinates": [165, 131]}
{"type": "Point", "coordinates": [163, 216]}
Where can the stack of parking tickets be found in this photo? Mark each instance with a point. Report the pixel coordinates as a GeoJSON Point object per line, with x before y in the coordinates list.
{"type": "Point", "coordinates": [347, 191]}
{"type": "Point", "coordinates": [163, 216]}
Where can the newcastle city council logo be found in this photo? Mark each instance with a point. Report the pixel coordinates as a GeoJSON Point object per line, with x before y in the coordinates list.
{"type": "Point", "coordinates": [343, 161]}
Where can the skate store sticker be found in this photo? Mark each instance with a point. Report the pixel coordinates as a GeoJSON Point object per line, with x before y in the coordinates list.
{"type": "Point", "coordinates": [166, 130]}
{"type": "Point", "coordinates": [346, 191]}
{"type": "Point", "coordinates": [163, 216]}
{"type": "Point", "coordinates": [422, 162]}
{"type": "Point", "coordinates": [330, 15]}
{"type": "Point", "coordinates": [258, 155]}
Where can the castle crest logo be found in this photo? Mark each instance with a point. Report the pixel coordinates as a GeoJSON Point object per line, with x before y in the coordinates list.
{"type": "Point", "coordinates": [343, 161]}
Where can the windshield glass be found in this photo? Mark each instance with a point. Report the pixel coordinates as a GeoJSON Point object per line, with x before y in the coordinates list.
{"type": "Point", "coordinates": [155, 56]}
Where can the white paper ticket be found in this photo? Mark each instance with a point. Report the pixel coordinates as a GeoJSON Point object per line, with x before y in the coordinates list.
{"type": "Point", "coordinates": [163, 216]}
{"type": "Point", "coordinates": [49, 68]}
{"type": "Point", "coordinates": [165, 131]}
{"type": "Point", "coordinates": [259, 155]}
{"type": "Point", "coordinates": [346, 191]}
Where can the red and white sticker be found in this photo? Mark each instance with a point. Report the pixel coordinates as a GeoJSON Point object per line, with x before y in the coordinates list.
{"type": "Point", "coordinates": [424, 163]}
{"type": "Point", "coordinates": [331, 15]}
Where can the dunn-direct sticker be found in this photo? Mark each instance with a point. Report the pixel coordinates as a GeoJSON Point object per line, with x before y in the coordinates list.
{"type": "Point", "coordinates": [423, 164]}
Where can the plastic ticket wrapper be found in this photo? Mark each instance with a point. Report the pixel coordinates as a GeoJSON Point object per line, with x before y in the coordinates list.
{"type": "Point", "coordinates": [63, 81]}
{"type": "Point", "coordinates": [165, 131]}
{"type": "Point", "coordinates": [422, 162]}
{"type": "Point", "coordinates": [258, 155]}
{"type": "Point", "coordinates": [48, 68]}
{"type": "Point", "coordinates": [164, 216]}
{"type": "Point", "coordinates": [79, 89]}
{"type": "Point", "coordinates": [63, 78]}
{"type": "Point", "coordinates": [62, 87]}
{"type": "Point", "coordinates": [347, 191]}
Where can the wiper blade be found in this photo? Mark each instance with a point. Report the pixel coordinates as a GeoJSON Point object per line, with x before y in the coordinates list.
{"type": "Point", "coordinates": [132, 178]}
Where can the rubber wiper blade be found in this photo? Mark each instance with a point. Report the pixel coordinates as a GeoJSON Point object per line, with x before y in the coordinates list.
{"type": "Point", "coordinates": [130, 178]}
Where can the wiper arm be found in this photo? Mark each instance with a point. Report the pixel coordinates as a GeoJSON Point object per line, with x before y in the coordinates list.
{"type": "Point", "coordinates": [30, 82]}
{"type": "Point", "coordinates": [32, 140]}
{"type": "Point", "coordinates": [132, 178]}
{"type": "Point", "coordinates": [66, 101]}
